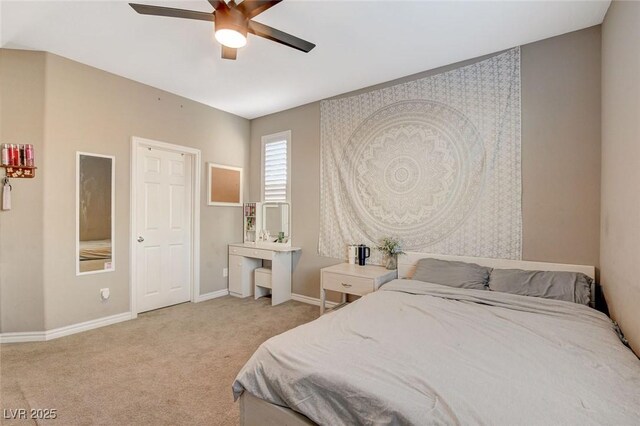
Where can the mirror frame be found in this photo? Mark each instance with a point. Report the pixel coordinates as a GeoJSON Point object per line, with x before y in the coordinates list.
{"type": "Point", "coordinates": [264, 218]}
{"type": "Point", "coordinates": [113, 213]}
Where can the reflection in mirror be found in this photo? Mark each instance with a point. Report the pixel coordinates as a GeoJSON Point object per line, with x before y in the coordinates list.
{"type": "Point", "coordinates": [94, 216]}
{"type": "Point", "coordinates": [276, 220]}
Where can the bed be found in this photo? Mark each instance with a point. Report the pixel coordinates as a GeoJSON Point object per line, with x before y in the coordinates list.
{"type": "Point", "coordinates": [416, 352]}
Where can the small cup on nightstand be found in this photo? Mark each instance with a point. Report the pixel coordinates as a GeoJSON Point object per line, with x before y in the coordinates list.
{"type": "Point", "coordinates": [363, 254]}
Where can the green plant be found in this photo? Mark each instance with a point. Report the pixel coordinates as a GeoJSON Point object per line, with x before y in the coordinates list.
{"type": "Point", "coordinates": [390, 246]}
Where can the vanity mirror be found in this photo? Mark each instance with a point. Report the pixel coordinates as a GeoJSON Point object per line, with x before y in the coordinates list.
{"type": "Point", "coordinates": [95, 186]}
{"type": "Point", "coordinates": [276, 220]}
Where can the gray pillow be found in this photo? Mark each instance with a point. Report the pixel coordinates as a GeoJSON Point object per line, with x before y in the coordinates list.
{"type": "Point", "coordinates": [452, 273]}
{"type": "Point", "coordinates": [569, 286]}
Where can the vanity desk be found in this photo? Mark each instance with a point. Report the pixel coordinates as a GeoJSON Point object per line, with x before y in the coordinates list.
{"type": "Point", "coordinates": [260, 222]}
{"type": "Point", "coordinates": [245, 258]}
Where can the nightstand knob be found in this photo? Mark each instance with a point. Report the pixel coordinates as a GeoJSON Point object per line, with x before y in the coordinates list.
{"type": "Point", "coordinates": [346, 285]}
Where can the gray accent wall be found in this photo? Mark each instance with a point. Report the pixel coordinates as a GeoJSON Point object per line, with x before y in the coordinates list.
{"type": "Point", "coordinates": [620, 233]}
{"type": "Point", "coordinates": [62, 107]}
{"type": "Point", "coordinates": [560, 157]}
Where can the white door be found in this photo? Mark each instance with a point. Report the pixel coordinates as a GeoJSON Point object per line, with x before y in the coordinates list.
{"type": "Point", "coordinates": [163, 234]}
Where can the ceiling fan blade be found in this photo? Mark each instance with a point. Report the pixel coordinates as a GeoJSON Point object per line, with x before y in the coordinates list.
{"type": "Point", "coordinates": [229, 52]}
{"type": "Point", "coordinates": [218, 4]}
{"type": "Point", "coordinates": [252, 8]}
{"type": "Point", "coordinates": [145, 9]}
{"type": "Point", "coordinates": [279, 36]}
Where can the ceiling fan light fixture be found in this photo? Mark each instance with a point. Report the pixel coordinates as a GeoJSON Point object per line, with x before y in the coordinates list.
{"type": "Point", "coordinates": [231, 38]}
{"type": "Point", "coordinates": [232, 22]}
{"type": "Point", "coordinates": [231, 28]}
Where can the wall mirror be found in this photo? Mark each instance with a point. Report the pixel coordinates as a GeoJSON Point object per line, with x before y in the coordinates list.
{"type": "Point", "coordinates": [276, 220]}
{"type": "Point", "coordinates": [95, 190]}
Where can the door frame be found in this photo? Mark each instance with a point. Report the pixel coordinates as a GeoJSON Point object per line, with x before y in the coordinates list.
{"type": "Point", "coordinates": [196, 171]}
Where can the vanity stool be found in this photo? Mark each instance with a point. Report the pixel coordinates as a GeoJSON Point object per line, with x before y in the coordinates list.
{"type": "Point", "coordinates": [262, 279]}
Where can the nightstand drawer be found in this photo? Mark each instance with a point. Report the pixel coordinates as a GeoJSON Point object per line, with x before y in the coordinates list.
{"type": "Point", "coordinates": [347, 284]}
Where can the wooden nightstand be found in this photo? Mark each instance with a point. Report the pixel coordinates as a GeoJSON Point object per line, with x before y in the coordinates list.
{"type": "Point", "coordinates": [353, 279]}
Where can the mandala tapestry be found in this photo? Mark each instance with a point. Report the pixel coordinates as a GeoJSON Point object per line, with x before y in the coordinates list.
{"type": "Point", "coordinates": [434, 162]}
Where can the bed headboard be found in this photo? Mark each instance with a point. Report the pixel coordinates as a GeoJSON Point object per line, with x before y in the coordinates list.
{"type": "Point", "coordinates": [407, 265]}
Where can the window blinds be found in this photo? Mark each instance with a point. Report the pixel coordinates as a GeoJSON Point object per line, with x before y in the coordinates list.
{"type": "Point", "coordinates": [275, 171]}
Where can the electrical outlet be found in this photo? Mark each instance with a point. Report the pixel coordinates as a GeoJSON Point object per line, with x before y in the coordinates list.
{"type": "Point", "coordinates": [104, 294]}
{"type": "Point", "coordinates": [225, 272]}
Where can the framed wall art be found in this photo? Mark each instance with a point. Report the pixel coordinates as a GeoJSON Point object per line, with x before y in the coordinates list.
{"type": "Point", "coordinates": [224, 185]}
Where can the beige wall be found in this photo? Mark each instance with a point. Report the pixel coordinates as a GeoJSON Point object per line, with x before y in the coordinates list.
{"type": "Point", "coordinates": [93, 111]}
{"type": "Point", "coordinates": [560, 154]}
{"type": "Point", "coordinates": [22, 85]}
{"type": "Point", "coordinates": [620, 234]}
{"type": "Point", "coordinates": [561, 148]}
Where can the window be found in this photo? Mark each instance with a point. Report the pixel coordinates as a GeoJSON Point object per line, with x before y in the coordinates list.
{"type": "Point", "coordinates": [275, 167]}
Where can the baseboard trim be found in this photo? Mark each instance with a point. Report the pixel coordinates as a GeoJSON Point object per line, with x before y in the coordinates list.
{"type": "Point", "coordinates": [23, 337]}
{"type": "Point", "coordinates": [311, 300]}
{"type": "Point", "coordinates": [41, 336]}
{"type": "Point", "coordinates": [212, 295]}
{"type": "Point", "coordinates": [87, 325]}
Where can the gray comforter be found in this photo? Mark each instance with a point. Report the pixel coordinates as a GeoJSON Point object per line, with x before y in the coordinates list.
{"type": "Point", "coordinates": [420, 353]}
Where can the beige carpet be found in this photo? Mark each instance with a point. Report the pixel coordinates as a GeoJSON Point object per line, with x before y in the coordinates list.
{"type": "Point", "coordinates": [170, 366]}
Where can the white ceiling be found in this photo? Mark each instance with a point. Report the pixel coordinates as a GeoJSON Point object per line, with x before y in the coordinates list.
{"type": "Point", "coordinates": [359, 43]}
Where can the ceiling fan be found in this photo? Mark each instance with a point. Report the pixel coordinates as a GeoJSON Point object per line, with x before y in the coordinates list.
{"type": "Point", "coordinates": [232, 23]}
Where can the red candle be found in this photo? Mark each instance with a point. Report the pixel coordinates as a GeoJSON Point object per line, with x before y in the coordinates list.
{"type": "Point", "coordinates": [15, 155]}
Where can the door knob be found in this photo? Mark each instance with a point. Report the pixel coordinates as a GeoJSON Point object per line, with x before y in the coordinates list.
{"type": "Point", "coordinates": [140, 239]}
